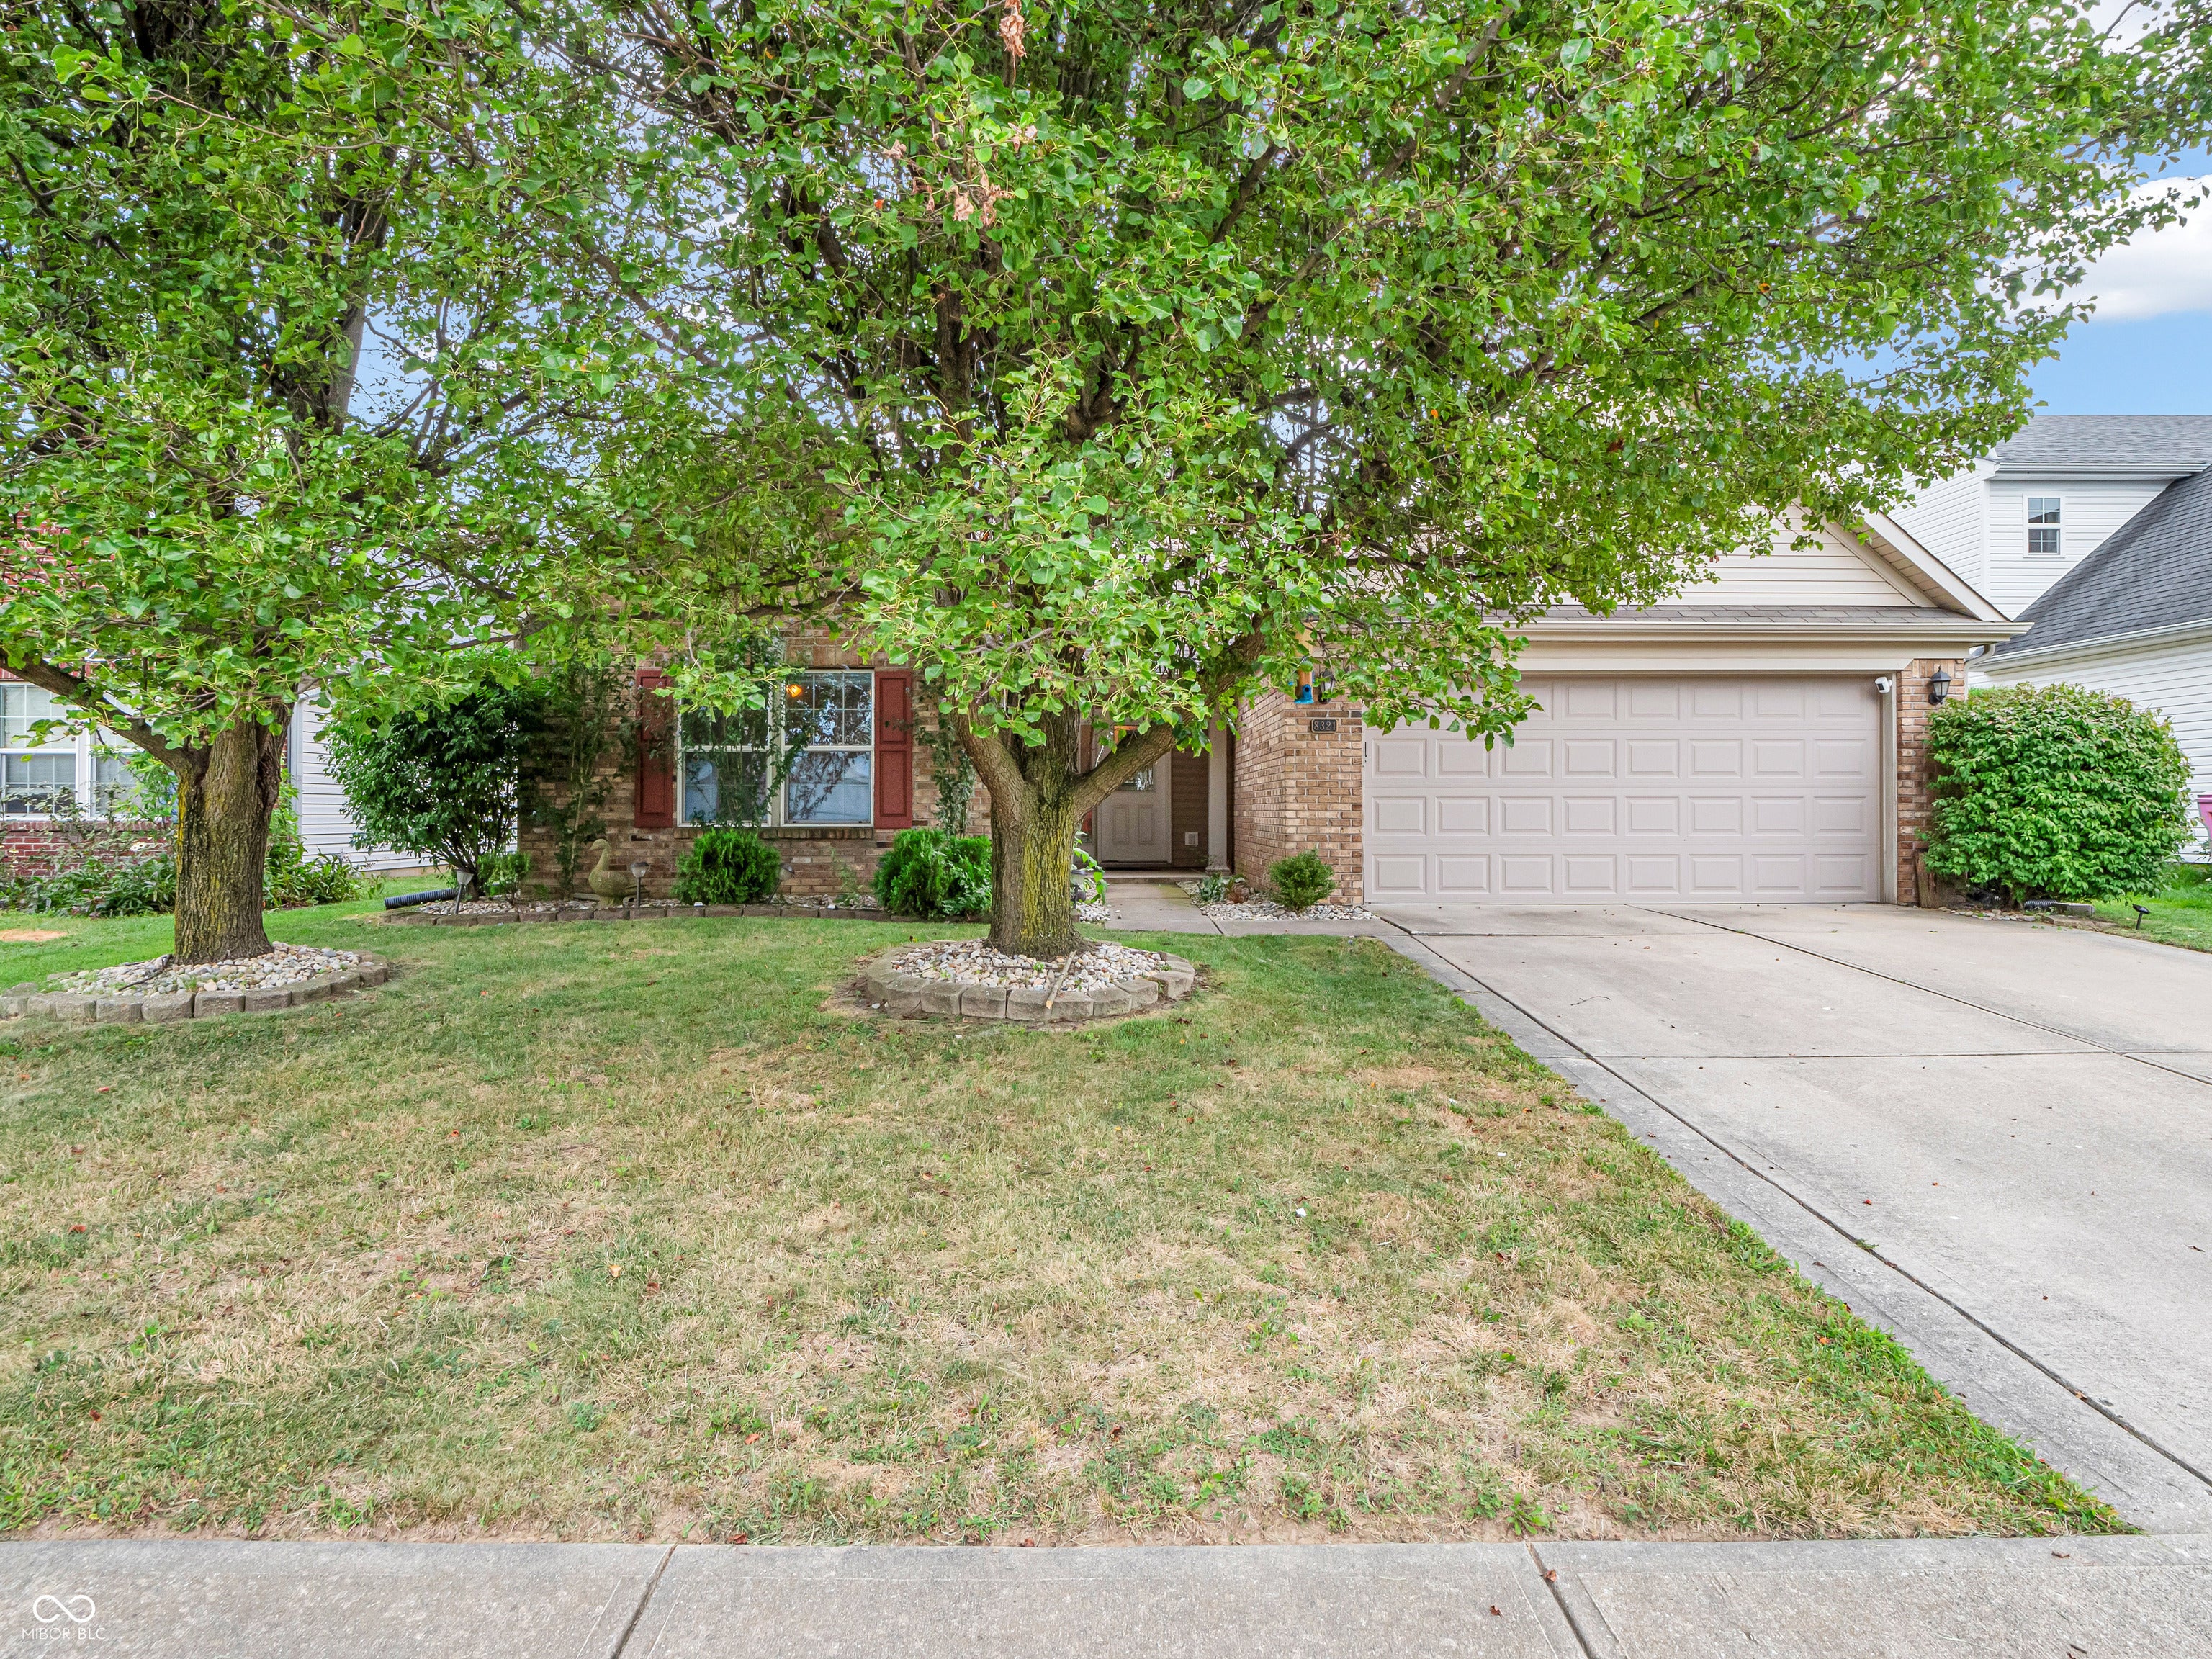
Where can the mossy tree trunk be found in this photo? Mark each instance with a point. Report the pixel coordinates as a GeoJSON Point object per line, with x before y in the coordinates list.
{"type": "Point", "coordinates": [226, 793]}
{"type": "Point", "coordinates": [1040, 794]}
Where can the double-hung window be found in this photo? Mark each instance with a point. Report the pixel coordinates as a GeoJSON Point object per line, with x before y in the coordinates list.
{"type": "Point", "coordinates": [37, 780]}
{"type": "Point", "coordinates": [2043, 527]}
{"type": "Point", "coordinates": [823, 722]}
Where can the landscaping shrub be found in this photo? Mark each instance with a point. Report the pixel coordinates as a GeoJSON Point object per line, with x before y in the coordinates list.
{"type": "Point", "coordinates": [1086, 882]}
{"type": "Point", "coordinates": [98, 885]}
{"type": "Point", "coordinates": [1301, 881]}
{"type": "Point", "coordinates": [289, 878]}
{"type": "Point", "coordinates": [443, 782]}
{"type": "Point", "coordinates": [728, 867]}
{"type": "Point", "coordinates": [928, 874]}
{"type": "Point", "coordinates": [2054, 792]}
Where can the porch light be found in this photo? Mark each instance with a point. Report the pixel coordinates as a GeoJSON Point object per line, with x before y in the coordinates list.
{"type": "Point", "coordinates": [1939, 686]}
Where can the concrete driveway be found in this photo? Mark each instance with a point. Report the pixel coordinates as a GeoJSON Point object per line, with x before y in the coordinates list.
{"type": "Point", "coordinates": [1993, 1137]}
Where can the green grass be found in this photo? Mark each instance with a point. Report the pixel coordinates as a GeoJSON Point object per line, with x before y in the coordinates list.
{"type": "Point", "coordinates": [2180, 912]}
{"type": "Point", "coordinates": [637, 1230]}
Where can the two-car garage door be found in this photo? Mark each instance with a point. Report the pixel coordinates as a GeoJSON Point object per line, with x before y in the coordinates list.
{"type": "Point", "coordinates": [1682, 789]}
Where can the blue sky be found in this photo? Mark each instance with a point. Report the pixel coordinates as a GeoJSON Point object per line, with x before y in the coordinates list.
{"type": "Point", "coordinates": [2148, 352]}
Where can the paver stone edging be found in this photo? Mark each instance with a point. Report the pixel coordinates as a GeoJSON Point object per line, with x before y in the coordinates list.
{"type": "Point", "coordinates": [633, 912]}
{"type": "Point", "coordinates": [888, 990]}
{"type": "Point", "coordinates": [164, 1007]}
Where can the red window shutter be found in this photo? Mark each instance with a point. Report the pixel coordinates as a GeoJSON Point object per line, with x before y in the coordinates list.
{"type": "Point", "coordinates": [893, 749]}
{"type": "Point", "coordinates": [655, 805]}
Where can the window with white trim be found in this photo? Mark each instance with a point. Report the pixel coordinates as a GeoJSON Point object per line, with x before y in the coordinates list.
{"type": "Point", "coordinates": [824, 721]}
{"type": "Point", "coordinates": [37, 780]}
{"type": "Point", "coordinates": [2043, 527]}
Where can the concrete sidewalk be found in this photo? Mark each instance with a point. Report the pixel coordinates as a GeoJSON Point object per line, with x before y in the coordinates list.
{"type": "Point", "coordinates": [2109, 1598]}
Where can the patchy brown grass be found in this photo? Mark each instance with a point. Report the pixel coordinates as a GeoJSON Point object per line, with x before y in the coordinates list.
{"type": "Point", "coordinates": [648, 1241]}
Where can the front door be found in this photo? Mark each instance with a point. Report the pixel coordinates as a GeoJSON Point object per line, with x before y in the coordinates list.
{"type": "Point", "coordinates": [1131, 823]}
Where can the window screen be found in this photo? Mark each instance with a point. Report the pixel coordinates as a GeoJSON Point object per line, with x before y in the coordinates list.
{"type": "Point", "coordinates": [832, 722]}
{"type": "Point", "coordinates": [36, 784]}
{"type": "Point", "coordinates": [828, 718]}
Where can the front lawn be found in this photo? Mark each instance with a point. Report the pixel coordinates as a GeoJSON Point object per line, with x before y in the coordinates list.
{"type": "Point", "coordinates": [2180, 912]}
{"type": "Point", "coordinates": [605, 1230]}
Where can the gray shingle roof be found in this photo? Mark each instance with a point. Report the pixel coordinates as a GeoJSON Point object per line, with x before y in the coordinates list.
{"type": "Point", "coordinates": [2154, 571]}
{"type": "Point", "coordinates": [2182, 442]}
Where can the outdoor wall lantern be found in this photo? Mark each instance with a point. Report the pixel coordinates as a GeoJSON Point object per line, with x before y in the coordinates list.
{"type": "Point", "coordinates": [1939, 686]}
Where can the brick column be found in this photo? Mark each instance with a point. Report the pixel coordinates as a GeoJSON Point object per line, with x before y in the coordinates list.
{"type": "Point", "coordinates": [1297, 788]}
{"type": "Point", "coordinates": [1913, 777]}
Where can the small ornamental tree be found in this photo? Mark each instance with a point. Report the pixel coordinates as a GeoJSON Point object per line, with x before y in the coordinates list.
{"type": "Point", "coordinates": [287, 314]}
{"type": "Point", "coordinates": [444, 780]}
{"type": "Point", "coordinates": [1116, 363]}
{"type": "Point", "coordinates": [2055, 792]}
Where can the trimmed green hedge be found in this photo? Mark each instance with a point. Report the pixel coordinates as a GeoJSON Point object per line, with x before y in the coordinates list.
{"type": "Point", "coordinates": [2055, 792]}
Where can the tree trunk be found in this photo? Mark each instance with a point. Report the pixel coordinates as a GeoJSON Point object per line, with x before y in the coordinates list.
{"type": "Point", "coordinates": [225, 795]}
{"type": "Point", "coordinates": [1032, 912]}
{"type": "Point", "coordinates": [1039, 793]}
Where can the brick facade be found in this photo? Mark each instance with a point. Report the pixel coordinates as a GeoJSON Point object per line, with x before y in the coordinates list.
{"type": "Point", "coordinates": [818, 862]}
{"type": "Point", "coordinates": [1299, 788]}
{"type": "Point", "coordinates": [1914, 796]}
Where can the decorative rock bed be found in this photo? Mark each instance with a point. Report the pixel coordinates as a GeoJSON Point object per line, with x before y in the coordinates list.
{"type": "Point", "coordinates": [968, 979]}
{"type": "Point", "coordinates": [1259, 910]}
{"type": "Point", "coordinates": [155, 994]}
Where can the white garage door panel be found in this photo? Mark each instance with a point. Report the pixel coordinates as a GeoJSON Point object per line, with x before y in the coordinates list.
{"type": "Point", "coordinates": [1712, 789]}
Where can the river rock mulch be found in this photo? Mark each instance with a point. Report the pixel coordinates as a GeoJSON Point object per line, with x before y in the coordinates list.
{"type": "Point", "coordinates": [966, 979]}
{"type": "Point", "coordinates": [973, 962]}
{"type": "Point", "coordinates": [286, 965]}
{"type": "Point", "coordinates": [1268, 910]}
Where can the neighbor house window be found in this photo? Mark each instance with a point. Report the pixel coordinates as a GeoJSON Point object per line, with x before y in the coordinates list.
{"type": "Point", "coordinates": [824, 721]}
{"type": "Point", "coordinates": [37, 780]}
{"type": "Point", "coordinates": [2043, 531]}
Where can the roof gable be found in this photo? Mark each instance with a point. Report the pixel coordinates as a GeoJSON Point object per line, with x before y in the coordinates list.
{"type": "Point", "coordinates": [1840, 571]}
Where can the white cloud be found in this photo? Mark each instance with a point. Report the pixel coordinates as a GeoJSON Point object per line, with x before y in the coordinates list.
{"type": "Point", "coordinates": [2159, 271]}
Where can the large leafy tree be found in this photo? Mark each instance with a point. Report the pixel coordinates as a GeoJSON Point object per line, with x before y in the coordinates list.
{"type": "Point", "coordinates": [1117, 360]}
{"type": "Point", "coordinates": [292, 358]}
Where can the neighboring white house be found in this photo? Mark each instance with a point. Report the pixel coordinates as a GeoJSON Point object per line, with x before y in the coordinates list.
{"type": "Point", "coordinates": [2095, 530]}
{"type": "Point", "coordinates": [2041, 503]}
{"type": "Point", "coordinates": [327, 823]}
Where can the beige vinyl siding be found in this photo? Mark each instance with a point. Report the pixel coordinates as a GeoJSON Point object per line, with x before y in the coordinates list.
{"type": "Point", "coordinates": [1833, 573]}
{"type": "Point", "coordinates": [1947, 517]}
{"type": "Point", "coordinates": [2090, 510]}
{"type": "Point", "coordinates": [2175, 679]}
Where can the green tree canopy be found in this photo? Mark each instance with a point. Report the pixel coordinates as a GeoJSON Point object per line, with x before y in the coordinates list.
{"type": "Point", "coordinates": [295, 353]}
{"type": "Point", "coordinates": [1115, 360]}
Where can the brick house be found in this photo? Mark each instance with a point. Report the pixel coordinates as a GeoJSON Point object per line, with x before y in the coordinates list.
{"type": "Point", "coordinates": [1759, 739]}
